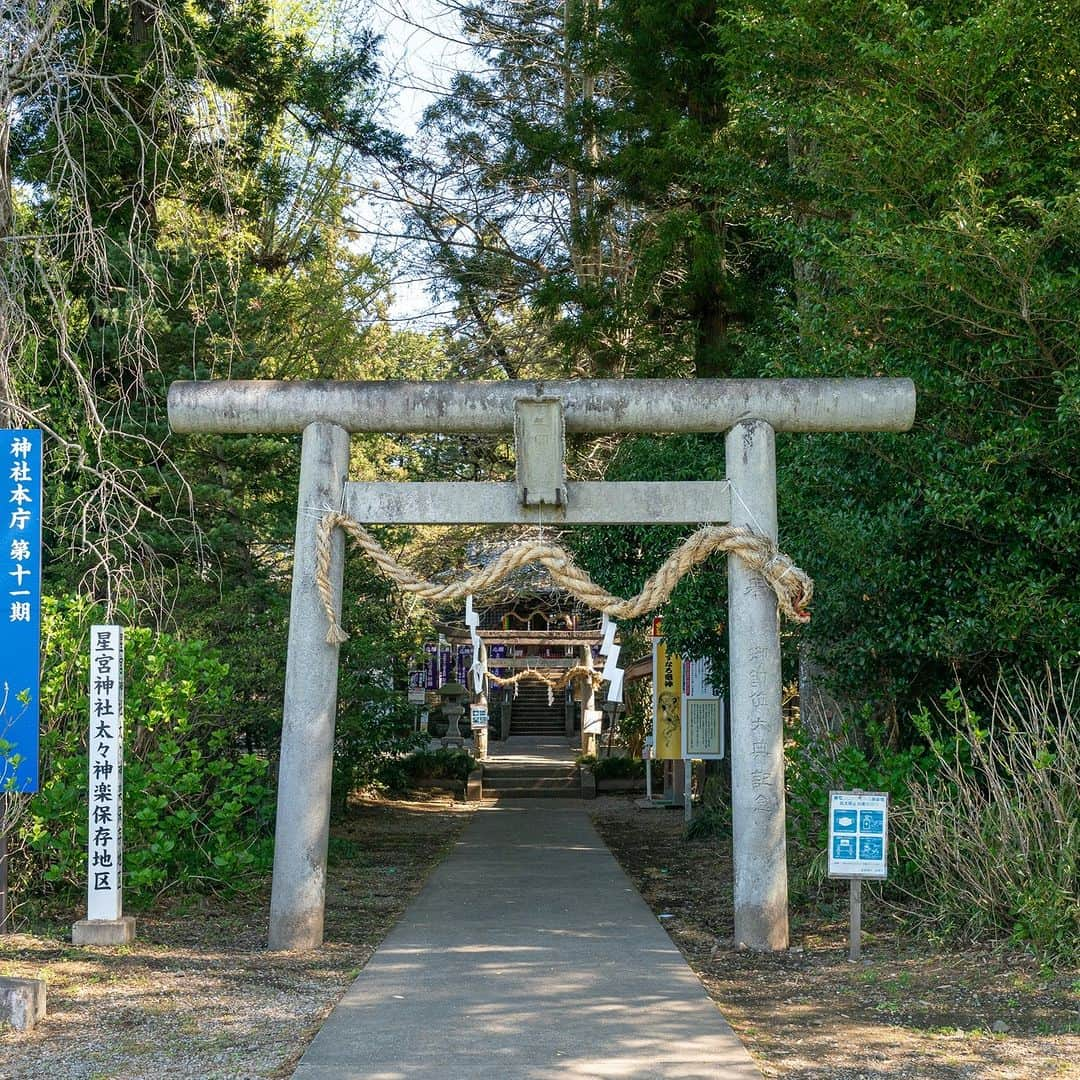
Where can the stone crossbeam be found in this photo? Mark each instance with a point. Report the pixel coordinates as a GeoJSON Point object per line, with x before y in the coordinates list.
{"type": "Point", "coordinates": [600, 406]}
{"type": "Point", "coordinates": [598, 503]}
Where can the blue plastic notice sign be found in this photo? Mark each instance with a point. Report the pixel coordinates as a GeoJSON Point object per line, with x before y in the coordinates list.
{"type": "Point", "coordinates": [20, 608]}
{"type": "Point", "coordinates": [858, 834]}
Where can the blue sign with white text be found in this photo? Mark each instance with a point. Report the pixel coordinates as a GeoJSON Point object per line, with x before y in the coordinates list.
{"type": "Point", "coordinates": [20, 608]}
{"type": "Point", "coordinates": [872, 821]}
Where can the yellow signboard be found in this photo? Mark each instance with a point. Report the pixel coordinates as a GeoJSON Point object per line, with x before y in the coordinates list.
{"type": "Point", "coordinates": [667, 702]}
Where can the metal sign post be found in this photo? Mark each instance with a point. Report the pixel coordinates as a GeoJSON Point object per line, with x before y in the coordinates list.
{"type": "Point", "coordinates": [858, 848]}
{"type": "Point", "coordinates": [20, 628]}
{"type": "Point", "coordinates": [20, 615]}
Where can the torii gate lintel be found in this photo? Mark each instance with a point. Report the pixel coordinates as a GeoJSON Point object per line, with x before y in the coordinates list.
{"type": "Point", "coordinates": [748, 411]}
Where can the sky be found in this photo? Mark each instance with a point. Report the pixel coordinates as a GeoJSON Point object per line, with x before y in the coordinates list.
{"type": "Point", "coordinates": [420, 53]}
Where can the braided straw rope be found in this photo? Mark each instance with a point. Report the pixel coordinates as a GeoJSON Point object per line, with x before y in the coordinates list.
{"type": "Point", "coordinates": [560, 683]}
{"type": "Point", "coordinates": [793, 587]}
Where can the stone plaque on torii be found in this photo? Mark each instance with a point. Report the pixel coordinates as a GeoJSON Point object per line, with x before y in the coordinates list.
{"type": "Point", "coordinates": [539, 415]}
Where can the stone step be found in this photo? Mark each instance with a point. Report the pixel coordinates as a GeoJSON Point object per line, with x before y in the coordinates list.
{"type": "Point", "coordinates": [531, 783]}
{"type": "Point", "coordinates": [531, 793]}
{"type": "Point", "coordinates": [554, 769]}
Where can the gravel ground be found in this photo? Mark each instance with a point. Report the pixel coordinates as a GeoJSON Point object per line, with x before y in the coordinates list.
{"type": "Point", "coordinates": [907, 1011]}
{"type": "Point", "coordinates": [197, 995]}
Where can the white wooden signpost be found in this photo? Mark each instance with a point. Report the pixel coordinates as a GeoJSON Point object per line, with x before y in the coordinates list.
{"type": "Point", "coordinates": [748, 413]}
{"type": "Point", "coordinates": [105, 923]}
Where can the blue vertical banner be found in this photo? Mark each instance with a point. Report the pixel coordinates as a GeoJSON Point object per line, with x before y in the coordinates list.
{"type": "Point", "coordinates": [20, 608]}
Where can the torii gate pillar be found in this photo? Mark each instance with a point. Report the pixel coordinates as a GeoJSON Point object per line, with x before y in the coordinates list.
{"type": "Point", "coordinates": [757, 733]}
{"type": "Point", "coordinates": [302, 829]}
{"type": "Point", "coordinates": [748, 411]}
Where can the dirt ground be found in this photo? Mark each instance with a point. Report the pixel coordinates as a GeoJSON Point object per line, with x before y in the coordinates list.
{"type": "Point", "coordinates": [197, 996]}
{"type": "Point", "coordinates": [908, 1009]}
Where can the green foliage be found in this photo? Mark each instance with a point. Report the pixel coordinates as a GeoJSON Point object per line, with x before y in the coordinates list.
{"type": "Point", "coordinates": [198, 811]}
{"type": "Point", "coordinates": [944, 252]}
{"type": "Point", "coordinates": [907, 208]}
{"type": "Point", "coordinates": [858, 756]}
{"type": "Point", "coordinates": [613, 768]}
{"type": "Point", "coordinates": [403, 773]}
{"type": "Point", "coordinates": [713, 820]}
{"type": "Point", "coordinates": [992, 832]}
{"type": "Point", "coordinates": [377, 726]}
{"type": "Point", "coordinates": [375, 721]}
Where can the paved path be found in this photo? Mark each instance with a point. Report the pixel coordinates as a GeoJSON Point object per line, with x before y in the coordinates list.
{"type": "Point", "coordinates": [527, 956]}
{"type": "Point", "coordinates": [532, 750]}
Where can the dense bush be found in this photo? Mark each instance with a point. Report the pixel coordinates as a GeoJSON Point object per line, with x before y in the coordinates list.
{"type": "Point", "coordinates": [198, 811]}
{"type": "Point", "coordinates": [994, 833]}
{"type": "Point", "coordinates": [984, 815]}
{"type": "Point", "coordinates": [617, 767]}
{"type": "Point", "coordinates": [855, 756]}
{"type": "Point", "coordinates": [402, 773]}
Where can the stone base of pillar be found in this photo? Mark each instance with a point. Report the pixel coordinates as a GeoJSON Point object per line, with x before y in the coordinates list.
{"type": "Point", "coordinates": [104, 931]}
{"type": "Point", "coordinates": [588, 783]}
{"type": "Point", "coordinates": [474, 786]}
{"type": "Point", "coordinates": [22, 1002]}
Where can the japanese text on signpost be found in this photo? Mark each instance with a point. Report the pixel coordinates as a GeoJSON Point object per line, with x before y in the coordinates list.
{"type": "Point", "coordinates": [104, 897]}
{"type": "Point", "coordinates": [20, 615]}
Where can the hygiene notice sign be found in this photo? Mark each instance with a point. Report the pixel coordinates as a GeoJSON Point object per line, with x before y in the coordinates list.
{"type": "Point", "coordinates": [858, 834]}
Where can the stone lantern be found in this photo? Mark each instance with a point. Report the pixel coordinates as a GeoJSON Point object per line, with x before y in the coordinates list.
{"type": "Point", "coordinates": [453, 695]}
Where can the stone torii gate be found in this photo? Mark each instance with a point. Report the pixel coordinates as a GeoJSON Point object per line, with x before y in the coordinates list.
{"type": "Point", "coordinates": [539, 414]}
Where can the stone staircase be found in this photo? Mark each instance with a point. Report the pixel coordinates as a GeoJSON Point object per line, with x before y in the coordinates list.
{"type": "Point", "coordinates": [518, 780]}
{"type": "Point", "coordinates": [530, 713]}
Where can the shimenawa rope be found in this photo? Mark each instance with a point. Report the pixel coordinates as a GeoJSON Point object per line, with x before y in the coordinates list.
{"type": "Point", "coordinates": [559, 683]}
{"type": "Point", "coordinates": [793, 587]}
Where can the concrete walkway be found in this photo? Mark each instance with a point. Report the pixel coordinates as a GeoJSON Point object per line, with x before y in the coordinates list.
{"type": "Point", "coordinates": [533, 750]}
{"type": "Point", "coordinates": [527, 956]}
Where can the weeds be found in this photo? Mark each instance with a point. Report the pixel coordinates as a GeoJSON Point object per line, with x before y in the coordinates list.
{"type": "Point", "coordinates": [994, 833]}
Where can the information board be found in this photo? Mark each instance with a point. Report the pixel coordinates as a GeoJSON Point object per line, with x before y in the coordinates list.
{"type": "Point", "coordinates": [703, 728]}
{"type": "Point", "coordinates": [702, 713]}
{"type": "Point", "coordinates": [478, 717]}
{"type": "Point", "coordinates": [858, 834]}
{"type": "Point", "coordinates": [20, 615]}
{"type": "Point", "coordinates": [417, 686]}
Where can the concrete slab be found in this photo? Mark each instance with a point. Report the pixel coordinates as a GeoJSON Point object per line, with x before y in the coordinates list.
{"type": "Point", "coordinates": [104, 931]}
{"type": "Point", "coordinates": [533, 749]}
{"type": "Point", "coordinates": [528, 956]}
